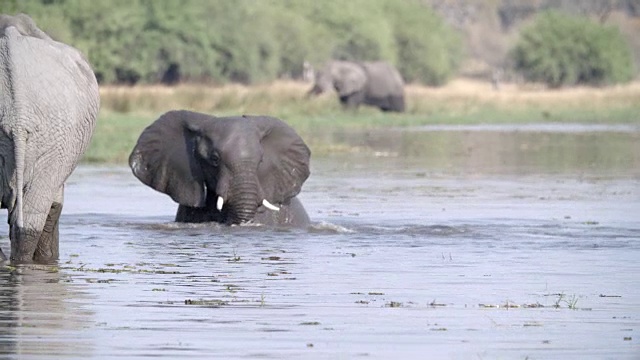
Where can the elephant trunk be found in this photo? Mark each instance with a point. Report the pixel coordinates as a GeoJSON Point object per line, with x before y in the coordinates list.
{"type": "Point", "coordinates": [315, 90]}
{"type": "Point", "coordinates": [243, 199]}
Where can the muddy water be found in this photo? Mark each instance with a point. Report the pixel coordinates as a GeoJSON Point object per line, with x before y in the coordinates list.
{"type": "Point", "coordinates": [450, 243]}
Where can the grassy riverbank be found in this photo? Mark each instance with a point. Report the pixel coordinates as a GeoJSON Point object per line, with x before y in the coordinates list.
{"type": "Point", "coordinates": [126, 111]}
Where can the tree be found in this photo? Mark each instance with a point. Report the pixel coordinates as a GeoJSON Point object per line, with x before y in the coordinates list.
{"type": "Point", "coordinates": [560, 49]}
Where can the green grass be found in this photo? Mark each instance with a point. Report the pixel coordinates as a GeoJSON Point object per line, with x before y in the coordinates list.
{"type": "Point", "coordinates": [485, 114]}
{"type": "Point", "coordinates": [114, 137]}
{"type": "Point", "coordinates": [127, 111]}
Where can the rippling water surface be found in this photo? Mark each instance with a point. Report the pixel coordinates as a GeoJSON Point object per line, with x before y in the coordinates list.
{"type": "Point", "coordinates": [433, 243]}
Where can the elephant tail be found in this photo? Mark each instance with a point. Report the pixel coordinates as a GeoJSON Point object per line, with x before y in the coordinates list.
{"type": "Point", "coordinates": [19, 149]}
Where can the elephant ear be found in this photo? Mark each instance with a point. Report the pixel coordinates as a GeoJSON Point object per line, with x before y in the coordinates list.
{"type": "Point", "coordinates": [348, 77]}
{"type": "Point", "coordinates": [285, 160]}
{"type": "Point", "coordinates": [163, 157]}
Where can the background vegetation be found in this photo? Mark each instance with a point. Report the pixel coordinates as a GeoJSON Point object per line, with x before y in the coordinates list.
{"type": "Point", "coordinates": [246, 41]}
{"type": "Point", "coordinates": [257, 41]}
{"type": "Point", "coordinates": [560, 49]}
{"type": "Point", "coordinates": [242, 56]}
{"type": "Point", "coordinates": [126, 110]}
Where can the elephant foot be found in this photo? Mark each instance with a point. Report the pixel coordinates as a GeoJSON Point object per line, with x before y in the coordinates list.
{"type": "Point", "coordinates": [21, 259]}
{"type": "Point", "coordinates": [46, 254]}
{"type": "Point", "coordinates": [23, 244]}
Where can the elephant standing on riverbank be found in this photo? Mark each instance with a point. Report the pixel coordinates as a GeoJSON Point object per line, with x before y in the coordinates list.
{"type": "Point", "coordinates": [230, 170]}
{"type": "Point", "coordinates": [49, 102]}
{"type": "Point", "coordinates": [377, 84]}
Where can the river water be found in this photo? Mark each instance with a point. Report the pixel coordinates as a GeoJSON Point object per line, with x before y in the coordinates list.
{"type": "Point", "coordinates": [437, 242]}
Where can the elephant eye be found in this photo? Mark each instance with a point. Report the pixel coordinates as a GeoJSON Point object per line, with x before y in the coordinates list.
{"type": "Point", "coordinates": [214, 159]}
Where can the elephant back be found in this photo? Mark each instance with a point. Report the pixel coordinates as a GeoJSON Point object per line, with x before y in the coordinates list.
{"type": "Point", "coordinates": [23, 24]}
{"type": "Point", "coordinates": [383, 79]}
{"type": "Point", "coordinates": [54, 96]}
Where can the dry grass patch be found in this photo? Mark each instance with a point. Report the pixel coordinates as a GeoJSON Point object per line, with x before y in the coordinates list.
{"type": "Point", "coordinates": [231, 98]}
{"type": "Point", "coordinates": [461, 97]}
{"type": "Point", "coordinates": [462, 93]}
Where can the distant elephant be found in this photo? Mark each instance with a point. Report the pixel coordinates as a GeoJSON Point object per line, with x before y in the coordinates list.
{"type": "Point", "coordinates": [49, 102]}
{"type": "Point", "coordinates": [229, 170]}
{"type": "Point", "coordinates": [372, 83]}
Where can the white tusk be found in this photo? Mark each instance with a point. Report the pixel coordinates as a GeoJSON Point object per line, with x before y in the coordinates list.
{"type": "Point", "coordinates": [219, 203]}
{"type": "Point", "coordinates": [269, 205]}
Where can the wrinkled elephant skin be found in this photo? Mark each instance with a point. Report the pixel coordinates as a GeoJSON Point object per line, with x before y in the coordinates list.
{"type": "Point", "coordinates": [49, 102]}
{"type": "Point", "coordinates": [230, 170]}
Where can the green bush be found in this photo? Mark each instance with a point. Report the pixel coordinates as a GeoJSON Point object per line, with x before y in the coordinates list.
{"type": "Point", "coordinates": [406, 33]}
{"type": "Point", "coordinates": [247, 41]}
{"type": "Point", "coordinates": [356, 29]}
{"type": "Point", "coordinates": [428, 51]}
{"type": "Point", "coordinates": [560, 50]}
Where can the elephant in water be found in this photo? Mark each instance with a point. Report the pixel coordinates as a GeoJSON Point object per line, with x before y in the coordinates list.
{"type": "Point", "coordinates": [49, 102]}
{"type": "Point", "coordinates": [229, 170]}
{"type": "Point", "coordinates": [372, 83]}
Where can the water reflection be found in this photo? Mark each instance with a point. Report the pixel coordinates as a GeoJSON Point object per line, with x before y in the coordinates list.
{"type": "Point", "coordinates": [505, 149]}
{"type": "Point", "coordinates": [39, 315]}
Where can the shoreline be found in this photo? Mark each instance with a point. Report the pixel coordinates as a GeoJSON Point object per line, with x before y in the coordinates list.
{"type": "Point", "coordinates": [126, 111]}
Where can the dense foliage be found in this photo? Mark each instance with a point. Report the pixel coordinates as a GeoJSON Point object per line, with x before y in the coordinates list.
{"type": "Point", "coordinates": [245, 41]}
{"type": "Point", "coordinates": [560, 49]}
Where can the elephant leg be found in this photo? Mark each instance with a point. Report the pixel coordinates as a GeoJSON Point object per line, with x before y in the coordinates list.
{"type": "Point", "coordinates": [197, 215]}
{"type": "Point", "coordinates": [37, 208]}
{"type": "Point", "coordinates": [3, 257]}
{"type": "Point", "coordinates": [352, 101]}
{"type": "Point", "coordinates": [383, 103]}
{"type": "Point", "coordinates": [48, 247]}
{"type": "Point", "coordinates": [24, 240]}
{"type": "Point", "coordinates": [396, 103]}
{"type": "Point", "coordinates": [387, 103]}
{"type": "Point", "coordinates": [292, 214]}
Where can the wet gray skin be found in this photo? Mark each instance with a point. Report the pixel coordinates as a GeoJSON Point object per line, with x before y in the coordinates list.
{"type": "Point", "coordinates": [430, 243]}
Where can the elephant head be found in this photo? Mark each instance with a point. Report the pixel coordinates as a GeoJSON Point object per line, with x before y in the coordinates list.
{"type": "Point", "coordinates": [229, 165]}
{"type": "Point", "coordinates": [344, 77]}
